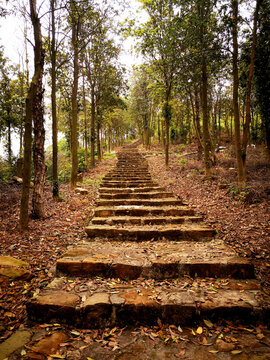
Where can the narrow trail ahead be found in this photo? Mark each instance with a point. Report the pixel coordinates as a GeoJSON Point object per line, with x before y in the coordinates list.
{"type": "Point", "coordinates": [154, 259]}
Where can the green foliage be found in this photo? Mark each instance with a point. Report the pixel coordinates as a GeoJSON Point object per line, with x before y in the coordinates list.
{"type": "Point", "coordinates": [81, 159]}
{"type": "Point", "coordinates": [64, 173]}
{"type": "Point", "coordinates": [93, 182]}
{"type": "Point", "coordinates": [107, 155]}
{"type": "Point", "coordinates": [245, 195]}
{"type": "Point", "coordinates": [182, 161]}
{"type": "Point", "coordinates": [6, 170]}
{"type": "Point", "coordinates": [63, 145]}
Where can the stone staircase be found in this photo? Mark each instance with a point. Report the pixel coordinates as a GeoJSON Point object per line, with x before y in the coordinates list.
{"type": "Point", "coordinates": [149, 259]}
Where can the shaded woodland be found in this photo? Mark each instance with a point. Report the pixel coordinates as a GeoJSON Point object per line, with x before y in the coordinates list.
{"type": "Point", "coordinates": [204, 80]}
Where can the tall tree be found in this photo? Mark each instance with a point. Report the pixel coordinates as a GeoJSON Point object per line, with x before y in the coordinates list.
{"type": "Point", "coordinates": [53, 53]}
{"type": "Point", "coordinates": [249, 83]}
{"type": "Point", "coordinates": [34, 111]}
{"type": "Point", "coordinates": [161, 43]}
{"type": "Point", "coordinates": [75, 19]}
{"type": "Point", "coordinates": [38, 121]}
{"type": "Point", "coordinates": [262, 70]}
{"type": "Point", "coordinates": [237, 133]}
{"type": "Point", "coordinates": [241, 146]}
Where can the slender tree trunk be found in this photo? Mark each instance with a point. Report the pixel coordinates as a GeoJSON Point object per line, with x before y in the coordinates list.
{"type": "Point", "coordinates": [196, 121]}
{"type": "Point", "coordinates": [34, 110]}
{"type": "Point", "coordinates": [167, 116]}
{"type": "Point", "coordinates": [240, 168]}
{"type": "Point", "coordinates": [24, 216]}
{"type": "Point", "coordinates": [38, 121]}
{"type": "Point", "coordinates": [85, 127]}
{"type": "Point", "coordinates": [38, 154]}
{"type": "Point", "coordinates": [98, 137]}
{"type": "Point", "coordinates": [9, 151]}
{"type": "Point", "coordinates": [206, 137]}
{"type": "Point", "coordinates": [248, 97]}
{"type": "Point", "coordinates": [74, 122]}
{"type": "Point", "coordinates": [158, 128]}
{"type": "Point", "coordinates": [101, 142]}
{"type": "Point", "coordinates": [53, 102]}
{"type": "Point", "coordinates": [92, 126]}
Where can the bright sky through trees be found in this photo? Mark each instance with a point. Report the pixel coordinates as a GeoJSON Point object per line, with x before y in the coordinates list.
{"type": "Point", "coordinates": [12, 39]}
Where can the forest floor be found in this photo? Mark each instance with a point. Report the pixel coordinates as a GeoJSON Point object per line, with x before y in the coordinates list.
{"type": "Point", "coordinates": [241, 219]}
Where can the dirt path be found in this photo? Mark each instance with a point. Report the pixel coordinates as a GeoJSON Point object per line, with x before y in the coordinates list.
{"type": "Point", "coordinates": [205, 340]}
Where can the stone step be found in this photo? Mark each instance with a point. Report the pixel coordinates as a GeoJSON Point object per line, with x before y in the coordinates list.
{"type": "Point", "coordinates": [133, 167]}
{"type": "Point", "coordinates": [138, 220]}
{"type": "Point", "coordinates": [140, 202]}
{"type": "Point", "coordinates": [129, 175]}
{"type": "Point", "coordinates": [125, 190]}
{"type": "Point", "coordinates": [102, 211]}
{"type": "Point", "coordinates": [157, 260]}
{"type": "Point", "coordinates": [128, 184]}
{"type": "Point", "coordinates": [138, 195]}
{"type": "Point", "coordinates": [176, 232]}
{"type": "Point", "coordinates": [89, 304]}
{"type": "Point", "coordinates": [126, 178]}
{"type": "Point", "coordinates": [117, 171]}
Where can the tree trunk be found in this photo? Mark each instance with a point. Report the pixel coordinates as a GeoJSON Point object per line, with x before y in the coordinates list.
{"type": "Point", "coordinates": [196, 120]}
{"type": "Point", "coordinates": [34, 110]}
{"type": "Point", "coordinates": [92, 127]}
{"type": "Point", "coordinates": [38, 121]}
{"type": "Point", "coordinates": [98, 137]}
{"type": "Point", "coordinates": [85, 128]}
{"type": "Point", "coordinates": [24, 216]}
{"type": "Point", "coordinates": [158, 128]}
{"type": "Point", "coordinates": [206, 137]}
{"type": "Point", "coordinates": [248, 98]}
{"type": "Point", "coordinates": [38, 153]}
{"type": "Point", "coordinates": [167, 116]}
{"type": "Point", "coordinates": [9, 144]}
{"type": "Point", "coordinates": [74, 121]}
{"type": "Point", "coordinates": [240, 168]}
{"type": "Point", "coordinates": [109, 138]}
{"type": "Point", "coordinates": [53, 102]}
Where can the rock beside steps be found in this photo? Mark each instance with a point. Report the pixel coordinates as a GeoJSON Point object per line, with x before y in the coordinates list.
{"type": "Point", "coordinates": [149, 258]}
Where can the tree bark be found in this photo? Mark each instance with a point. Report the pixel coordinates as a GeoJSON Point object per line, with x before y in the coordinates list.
{"type": "Point", "coordinates": [167, 116]}
{"type": "Point", "coordinates": [206, 137]}
{"type": "Point", "coordinates": [38, 121]}
{"type": "Point", "coordinates": [74, 121]}
{"type": "Point", "coordinates": [92, 128]}
{"type": "Point", "coordinates": [248, 97]}
{"type": "Point", "coordinates": [240, 168]}
{"type": "Point", "coordinates": [85, 127]}
{"type": "Point", "coordinates": [24, 216]}
{"type": "Point", "coordinates": [98, 136]}
{"type": "Point", "coordinates": [53, 102]}
{"type": "Point", "coordinates": [34, 111]}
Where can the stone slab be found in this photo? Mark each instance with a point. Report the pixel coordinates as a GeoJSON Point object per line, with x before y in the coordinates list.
{"type": "Point", "coordinates": [14, 269]}
{"type": "Point", "coordinates": [50, 344]}
{"type": "Point", "coordinates": [141, 202]}
{"type": "Point", "coordinates": [138, 195]}
{"type": "Point", "coordinates": [154, 220]}
{"type": "Point", "coordinates": [148, 232]}
{"type": "Point", "coordinates": [131, 304]}
{"type": "Point", "coordinates": [129, 190]}
{"type": "Point", "coordinates": [158, 260]}
{"type": "Point", "coordinates": [14, 342]}
{"type": "Point", "coordinates": [143, 211]}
